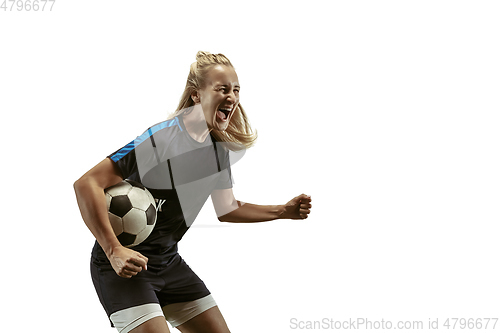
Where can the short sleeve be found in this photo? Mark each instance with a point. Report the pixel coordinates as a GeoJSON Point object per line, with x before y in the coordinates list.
{"type": "Point", "coordinates": [125, 159]}
{"type": "Point", "coordinates": [225, 180]}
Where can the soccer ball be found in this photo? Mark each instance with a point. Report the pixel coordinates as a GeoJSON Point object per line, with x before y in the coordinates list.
{"type": "Point", "coordinates": [131, 211]}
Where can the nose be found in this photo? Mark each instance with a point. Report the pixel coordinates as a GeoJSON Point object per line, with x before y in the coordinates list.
{"type": "Point", "coordinates": [231, 97]}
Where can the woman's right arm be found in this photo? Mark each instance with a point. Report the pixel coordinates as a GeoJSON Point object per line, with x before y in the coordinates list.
{"type": "Point", "coordinates": [91, 199]}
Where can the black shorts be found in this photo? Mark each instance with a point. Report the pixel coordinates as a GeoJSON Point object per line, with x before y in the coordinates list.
{"type": "Point", "coordinates": [171, 283]}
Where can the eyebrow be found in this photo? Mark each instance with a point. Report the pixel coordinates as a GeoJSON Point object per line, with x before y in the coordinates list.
{"type": "Point", "coordinates": [225, 85]}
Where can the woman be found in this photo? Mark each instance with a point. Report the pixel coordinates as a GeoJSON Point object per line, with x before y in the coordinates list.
{"type": "Point", "coordinates": [182, 161]}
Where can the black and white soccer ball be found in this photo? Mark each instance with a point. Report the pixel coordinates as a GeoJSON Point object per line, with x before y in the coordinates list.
{"type": "Point", "coordinates": [131, 211]}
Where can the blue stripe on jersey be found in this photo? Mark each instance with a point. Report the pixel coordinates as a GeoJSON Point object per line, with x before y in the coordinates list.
{"type": "Point", "coordinates": [132, 144]}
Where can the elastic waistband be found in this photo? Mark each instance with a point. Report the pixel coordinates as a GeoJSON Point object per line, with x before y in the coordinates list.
{"type": "Point", "coordinates": [159, 258]}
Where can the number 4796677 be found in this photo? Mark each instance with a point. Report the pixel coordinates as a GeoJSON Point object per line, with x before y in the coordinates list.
{"type": "Point", "coordinates": [470, 323]}
{"type": "Point", "coordinates": [27, 5]}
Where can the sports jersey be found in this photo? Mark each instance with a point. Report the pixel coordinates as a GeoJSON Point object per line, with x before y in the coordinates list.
{"type": "Point", "coordinates": [180, 173]}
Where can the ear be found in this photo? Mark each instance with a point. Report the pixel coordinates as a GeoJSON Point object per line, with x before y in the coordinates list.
{"type": "Point", "coordinates": [195, 97]}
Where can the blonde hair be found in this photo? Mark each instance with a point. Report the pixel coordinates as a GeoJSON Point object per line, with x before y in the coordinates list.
{"type": "Point", "coordinates": [238, 134]}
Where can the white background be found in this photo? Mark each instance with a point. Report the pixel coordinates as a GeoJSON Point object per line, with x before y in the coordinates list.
{"type": "Point", "coordinates": [385, 112]}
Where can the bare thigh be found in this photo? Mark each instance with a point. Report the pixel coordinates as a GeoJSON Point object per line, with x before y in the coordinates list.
{"type": "Point", "coordinates": [153, 325]}
{"type": "Point", "coordinates": [210, 321]}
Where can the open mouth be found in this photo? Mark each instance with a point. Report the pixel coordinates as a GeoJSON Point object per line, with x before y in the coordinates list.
{"type": "Point", "coordinates": [223, 113]}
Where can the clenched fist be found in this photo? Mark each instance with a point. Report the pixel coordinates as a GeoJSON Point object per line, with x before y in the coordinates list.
{"type": "Point", "coordinates": [127, 262]}
{"type": "Point", "coordinates": [298, 208]}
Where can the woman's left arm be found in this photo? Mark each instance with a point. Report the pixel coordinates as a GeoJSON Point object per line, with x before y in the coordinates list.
{"type": "Point", "coordinates": [229, 209]}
